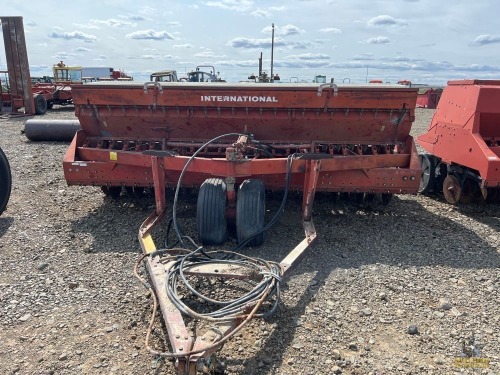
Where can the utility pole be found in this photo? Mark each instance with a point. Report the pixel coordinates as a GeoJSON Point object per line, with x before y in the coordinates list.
{"type": "Point", "coordinates": [272, 55]}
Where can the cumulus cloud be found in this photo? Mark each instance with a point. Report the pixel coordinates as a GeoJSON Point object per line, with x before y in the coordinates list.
{"type": "Point", "coordinates": [73, 35]}
{"type": "Point", "coordinates": [150, 34]}
{"type": "Point", "coordinates": [290, 30]}
{"type": "Point", "coordinates": [236, 5]}
{"type": "Point", "coordinates": [241, 42]}
{"type": "Point", "coordinates": [208, 54]}
{"type": "Point", "coordinates": [332, 30]}
{"type": "Point", "coordinates": [260, 13]}
{"type": "Point", "coordinates": [378, 40]}
{"type": "Point", "coordinates": [481, 40]}
{"type": "Point", "coordinates": [113, 23]}
{"type": "Point", "coordinates": [385, 20]}
{"type": "Point", "coordinates": [283, 30]}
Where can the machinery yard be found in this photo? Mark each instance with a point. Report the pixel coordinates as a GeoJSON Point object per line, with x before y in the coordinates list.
{"type": "Point", "coordinates": [70, 303]}
{"type": "Point", "coordinates": [212, 180]}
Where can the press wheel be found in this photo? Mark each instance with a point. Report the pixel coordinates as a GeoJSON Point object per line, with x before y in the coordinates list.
{"type": "Point", "coordinates": [211, 220]}
{"type": "Point", "coordinates": [428, 173]}
{"type": "Point", "coordinates": [452, 189]}
{"type": "Point", "coordinates": [470, 191]}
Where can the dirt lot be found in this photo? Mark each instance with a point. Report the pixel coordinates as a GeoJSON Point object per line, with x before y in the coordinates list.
{"type": "Point", "coordinates": [69, 303]}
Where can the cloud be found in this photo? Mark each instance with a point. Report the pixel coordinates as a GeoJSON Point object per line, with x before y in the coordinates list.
{"type": "Point", "coordinates": [135, 17]}
{"type": "Point", "coordinates": [31, 23]}
{"type": "Point", "coordinates": [150, 34]}
{"type": "Point", "coordinates": [63, 55]}
{"type": "Point", "coordinates": [151, 57]}
{"type": "Point", "coordinates": [290, 30]}
{"type": "Point", "coordinates": [332, 30]}
{"type": "Point", "coordinates": [208, 54]}
{"type": "Point", "coordinates": [82, 49]}
{"type": "Point", "coordinates": [378, 40]}
{"type": "Point", "coordinates": [484, 39]}
{"type": "Point", "coordinates": [113, 23]}
{"type": "Point", "coordinates": [363, 57]}
{"type": "Point", "coordinates": [385, 20]}
{"type": "Point", "coordinates": [283, 30]}
{"type": "Point", "coordinates": [73, 35]}
{"type": "Point", "coordinates": [260, 13]}
{"type": "Point", "coordinates": [187, 45]}
{"type": "Point", "coordinates": [86, 26]}
{"type": "Point", "coordinates": [236, 5]}
{"type": "Point", "coordinates": [241, 42]}
{"type": "Point", "coordinates": [309, 56]}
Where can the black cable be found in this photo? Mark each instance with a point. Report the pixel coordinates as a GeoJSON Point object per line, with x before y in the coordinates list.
{"type": "Point", "coordinates": [179, 182]}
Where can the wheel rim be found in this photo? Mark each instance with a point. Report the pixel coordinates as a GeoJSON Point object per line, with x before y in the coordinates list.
{"type": "Point", "coordinates": [250, 211]}
{"type": "Point", "coordinates": [428, 174]}
{"type": "Point", "coordinates": [452, 190]}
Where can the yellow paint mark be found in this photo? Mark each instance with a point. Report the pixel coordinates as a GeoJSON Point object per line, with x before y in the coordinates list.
{"type": "Point", "coordinates": [149, 245]}
{"type": "Point", "coordinates": [113, 156]}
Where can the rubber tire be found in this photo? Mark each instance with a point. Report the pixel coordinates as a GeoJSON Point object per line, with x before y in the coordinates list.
{"type": "Point", "coordinates": [428, 176]}
{"type": "Point", "coordinates": [5, 181]}
{"type": "Point", "coordinates": [250, 212]}
{"type": "Point", "coordinates": [211, 221]}
{"type": "Point", "coordinates": [40, 105]}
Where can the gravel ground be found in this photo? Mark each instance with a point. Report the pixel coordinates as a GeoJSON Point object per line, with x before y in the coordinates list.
{"type": "Point", "coordinates": [389, 289]}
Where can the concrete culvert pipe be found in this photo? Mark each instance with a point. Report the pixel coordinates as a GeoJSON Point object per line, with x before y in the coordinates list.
{"type": "Point", "coordinates": [51, 130]}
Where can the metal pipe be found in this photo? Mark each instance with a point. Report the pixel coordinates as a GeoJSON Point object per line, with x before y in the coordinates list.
{"type": "Point", "coordinates": [272, 56]}
{"type": "Point", "coordinates": [51, 130]}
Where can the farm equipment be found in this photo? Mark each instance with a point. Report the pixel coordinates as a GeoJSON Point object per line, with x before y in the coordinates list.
{"type": "Point", "coordinates": [59, 90]}
{"type": "Point", "coordinates": [235, 142]}
{"type": "Point", "coordinates": [5, 181]}
{"type": "Point", "coordinates": [463, 143]}
{"type": "Point", "coordinates": [19, 91]}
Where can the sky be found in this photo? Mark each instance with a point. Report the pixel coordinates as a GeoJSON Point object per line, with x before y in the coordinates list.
{"type": "Point", "coordinates": [424, 41]}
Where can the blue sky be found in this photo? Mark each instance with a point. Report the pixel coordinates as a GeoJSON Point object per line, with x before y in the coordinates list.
{"type": "Point", "coordinates": [425, 41]}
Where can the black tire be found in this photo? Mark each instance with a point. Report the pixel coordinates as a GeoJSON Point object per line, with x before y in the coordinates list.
{"type": "Point", "coordinates": [427, 179]}
{"type": "Point", "coordinates": [211, 220]}
{"type": "Point", "coordinates": [112, 191]}
{"type": "Point", "coordinates": [40, 105]}
{"type": "Point", "coordinates": [250, 211]}
{"type": "Point", "coordinates": [5, 181]}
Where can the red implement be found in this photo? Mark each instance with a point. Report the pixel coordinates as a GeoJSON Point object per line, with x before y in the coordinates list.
{"type": "Point", "coordinates": [463, 142]}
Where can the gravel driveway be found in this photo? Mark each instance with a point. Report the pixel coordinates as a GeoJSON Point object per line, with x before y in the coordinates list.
{"type": "Point", "coordinates": [389, 289]}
